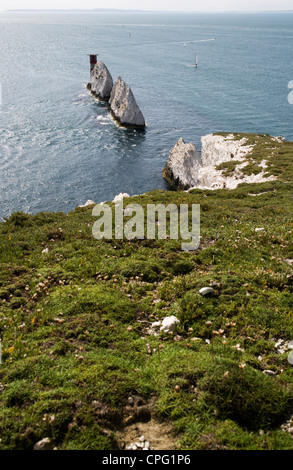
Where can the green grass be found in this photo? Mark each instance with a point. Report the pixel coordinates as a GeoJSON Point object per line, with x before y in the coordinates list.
{"type": "Point", "coordinates": [277, 155]}
{"type": "Point", "coordinates": [72, 323]}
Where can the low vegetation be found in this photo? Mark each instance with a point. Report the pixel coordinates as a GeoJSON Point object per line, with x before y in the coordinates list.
{"type": "Point", "coordinates": [274, 152]}
{"type": "Point", "coordinates": [75, 313]}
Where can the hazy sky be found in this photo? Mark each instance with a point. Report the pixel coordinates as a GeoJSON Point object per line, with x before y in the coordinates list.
{"type": "Point", "coordinates": [170, 5]}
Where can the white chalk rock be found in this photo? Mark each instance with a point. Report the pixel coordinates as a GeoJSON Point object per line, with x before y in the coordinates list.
{"type": "Point", "coordinates": [156, 325]}
{"type": "Point", "coordinates": [44, 444]}
{"type": "Point", "coordinates": [269, 372]}
{"type": "Point", "coordinates": [188, 170]}
{"type": "Point", "coordinates": [101, 82]}
{"type": "Point", "coordinates": [183, 165]}
{"type": "Point", "coordinates": [124, 107]}
{"type": "Point", "coordinates": [88, 203]}
{"type": "Point", "coordinates": [217, 149]}
{"type": "Point", "coordinates": [206, 291]}
{"type": "Point", "coordinates": [120, 197]}
{"type": "Point", "coordinates": [169, 324]}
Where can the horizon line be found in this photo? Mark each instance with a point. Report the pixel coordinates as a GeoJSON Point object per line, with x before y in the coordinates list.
{"type": "Point", "coordinates": [108, 10]}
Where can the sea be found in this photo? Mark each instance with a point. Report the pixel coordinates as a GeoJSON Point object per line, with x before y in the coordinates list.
{"type": "Point", "coordinates": [59, 146]}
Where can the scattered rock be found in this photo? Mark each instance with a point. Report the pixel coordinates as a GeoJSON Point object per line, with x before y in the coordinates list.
{"type": "Point", "coordinates": [154, 328]}
{"type": "Point", "coordinates": [88, 203]}
{"type": "Point", "coordinates": [157, 435]}
{"type": "Point", "coordinates": [148, 348]}
{"type": "Point", "coordinates": [206, 291]}
{"type": "Point", "coordinates": [169, 324]}
{"type": "Point", "coordinates": [288, 426]}
{"type": "Point", "coordinates": [156, 325]}
{"type": "Point", "coordinates": [124, 107]}
{"type": "Point", "coordinates": [269, 372]}
{"type": "Point", "coordinates": [141, 445]}
{"type": "Point", "coordinates": [283, 346]}
{"type": "Point", "coordinates": [120, 197]}
{"type": "Point", "coordinates": [44, 444]}
{"type": "Point", "coordinates": [178, 338]}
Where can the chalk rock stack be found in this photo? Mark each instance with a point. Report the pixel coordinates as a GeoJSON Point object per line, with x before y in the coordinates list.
{"type": "Point", "coordinates": [124, 107]}
{"type": "Point", "coordinates": [101, 82]}
{"type": "Point", "coordinates": [183, 165]}
{"type": "Point", "coordinates": [122, 103]}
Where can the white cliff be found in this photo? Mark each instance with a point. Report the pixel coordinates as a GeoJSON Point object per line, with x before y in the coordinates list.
{"type": "Point", "coordinates": [124, 107]}
{"type": "Point", "coordinates": [183, 165]}
{"type": "Point", "coordinates": [101, 82]}
{"type": "Point", "coordinates": [216, 149]}
{"type": "Point", "coordinates": [211, 178]}
{"type": "Point", "coordinates": [187, 170]}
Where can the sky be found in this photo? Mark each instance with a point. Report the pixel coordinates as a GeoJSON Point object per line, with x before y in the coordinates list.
{"type": "Point", "coordinates": [163, 5]}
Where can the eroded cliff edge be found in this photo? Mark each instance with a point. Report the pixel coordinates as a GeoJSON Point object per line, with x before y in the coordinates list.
{"type": "Point", "coordinates": [226, 160]}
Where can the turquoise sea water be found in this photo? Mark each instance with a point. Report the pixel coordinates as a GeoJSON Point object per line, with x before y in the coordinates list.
{"type": "Point", "coordinates": [59, 146]}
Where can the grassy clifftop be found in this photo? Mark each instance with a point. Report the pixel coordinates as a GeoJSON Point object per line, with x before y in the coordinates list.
{"type": "Point", "coordinates": [79, 366]}
{"type": "Point", "coordinates": [270, 153]}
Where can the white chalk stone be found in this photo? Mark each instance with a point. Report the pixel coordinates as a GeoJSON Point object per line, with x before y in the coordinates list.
{"type": "Point", "coordinates": [183, 165]}
{"type": "Point", "coordinates": [169, 324]}
{"type": "Point", "coordinates": [89, 202]}
{"type": "Point", "coordinates": [120, 197]}
{"type": "Point", "coordinates": [206, 290]}
{"type": "Point", "coordinates": [124, 106]}
{"type": "Point", "coordinates": [188, 170]}
{"type": "Point", "coordinates": [101, 82]}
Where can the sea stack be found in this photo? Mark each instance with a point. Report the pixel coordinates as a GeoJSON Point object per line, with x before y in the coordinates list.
{"type": "Point", "coordinates": [124, 107]}
{"type": "Point", "coordinates": [101, 82]}
{"type": "Point", "coordinates": [182, 166]}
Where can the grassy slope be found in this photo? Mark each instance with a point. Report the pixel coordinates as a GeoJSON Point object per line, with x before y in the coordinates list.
{"type": "Point", "coordinates": [72, 324]}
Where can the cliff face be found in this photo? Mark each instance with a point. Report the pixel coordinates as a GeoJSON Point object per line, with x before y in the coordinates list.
{"type": "Point", "coordinates": [217, 149]}
{"type": "Point", "coordinates": [101, 82]}
{"type": "Point", "coordinates": [124, 107]}
{"type": "Point", "coordinates": [186, 169]}
{"type": "Point", "coordinates": [183, 165]}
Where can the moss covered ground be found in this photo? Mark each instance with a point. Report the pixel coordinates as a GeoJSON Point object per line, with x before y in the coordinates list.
{"type": "Point", "coordinates": [74, 313]}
